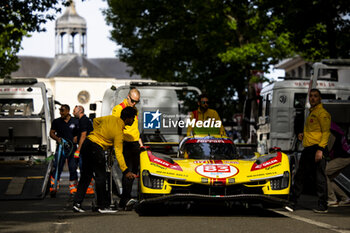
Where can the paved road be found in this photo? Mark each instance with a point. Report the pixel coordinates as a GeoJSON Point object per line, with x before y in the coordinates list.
{"type": "Point", "coordinates": [55, 215]}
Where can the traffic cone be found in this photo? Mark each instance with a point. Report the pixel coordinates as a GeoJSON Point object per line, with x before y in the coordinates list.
{"type": "Point", "coordinates": [73, 186]}
{"type": "Point", "coordinates": [53, 190]}
{"type": "Point", "coordinates": [90, 190]}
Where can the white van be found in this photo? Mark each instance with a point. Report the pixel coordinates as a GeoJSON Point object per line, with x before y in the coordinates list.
{"type": "Point", "coordinates": [283, 103]}
{"type": "Point", "coordinates": [169, 99]}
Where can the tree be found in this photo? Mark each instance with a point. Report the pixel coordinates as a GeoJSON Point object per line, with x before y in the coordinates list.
{"type": "Point", "coordinates": [318, 29]}
{"type": "Point", "coordinates": [213, 45]}
{"type": "Point", "coordinates": [19, 19]}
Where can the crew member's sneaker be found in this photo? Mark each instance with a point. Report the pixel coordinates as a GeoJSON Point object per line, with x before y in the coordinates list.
{"type": "Point", "coordinates": [344, 203]}
{"type": "Point", "coordinates": [130, 204]}
{"type": "Point", "coordinates": [333, 203]}
{"type": "Point", "coordinates": [321, 210]}
{"type": "Point", "coordinates": [77, 208]}
{"type": "Point", "coordinates": [107, 211]}
{"type": "Point", "coordinates": [290, 207]}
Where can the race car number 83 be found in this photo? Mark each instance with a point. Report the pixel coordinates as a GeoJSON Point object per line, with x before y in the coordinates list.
{"type": "Point", "coordinates": [216, 168]}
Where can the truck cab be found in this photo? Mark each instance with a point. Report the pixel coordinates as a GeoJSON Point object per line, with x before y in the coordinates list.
{"type": "Point", "coordinates": [284, 105]}
{"type": "Point", "coordinates": [25, 145]}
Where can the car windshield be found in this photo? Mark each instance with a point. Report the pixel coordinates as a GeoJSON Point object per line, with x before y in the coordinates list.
{"type": "Point", "coordinates": [210, 149]}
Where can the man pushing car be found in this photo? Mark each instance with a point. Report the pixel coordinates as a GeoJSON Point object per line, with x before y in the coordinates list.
{"type": "Point", "coordinates": [108, 131]}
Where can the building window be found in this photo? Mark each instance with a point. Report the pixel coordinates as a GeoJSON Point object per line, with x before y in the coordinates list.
{"type": "Point", "coordinates": [300, 72]}
{"type": "Point", "coordinates": [293, 73]}
{"type": "Point", "coordinates": [308, 70]}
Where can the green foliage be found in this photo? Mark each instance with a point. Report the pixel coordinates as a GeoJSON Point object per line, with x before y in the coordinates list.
{"type": "Point", "coordinates": [264, 49]}
{"type": "Point", "coordinates": [181, 41]}
{"type": "Point", "coordinates": [19, 19]}
{"type": "Point", "coordinates": [215, 44]}
{"type": "Point", "coordinates": [317, 29]}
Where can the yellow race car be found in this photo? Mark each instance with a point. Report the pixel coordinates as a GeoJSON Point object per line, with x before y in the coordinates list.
{"type": "Point", "coordinates": [209, 168]}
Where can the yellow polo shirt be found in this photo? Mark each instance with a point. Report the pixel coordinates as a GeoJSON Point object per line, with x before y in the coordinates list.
{"type": "Point", "coordinates": [131, 133]}
{"type": "Point", "coordinates": [108, 131]}
{"type": "Point", "coordinates": [203, 116]}
{"type": "Point", "coordinates": [317, 127]}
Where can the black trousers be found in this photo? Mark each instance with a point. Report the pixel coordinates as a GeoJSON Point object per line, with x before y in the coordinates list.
{"type": "Point", "coordinates": [307, 167]}
{"type": "Point", "coordinates": [131, 152]}
{"type": "Point", "coordinates": [93, 162]}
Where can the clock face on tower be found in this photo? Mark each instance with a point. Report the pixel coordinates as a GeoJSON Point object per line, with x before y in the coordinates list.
{"type": "Point", "coordinates": [83, 97]}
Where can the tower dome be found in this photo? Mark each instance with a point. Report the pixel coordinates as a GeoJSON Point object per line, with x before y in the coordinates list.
{"type": "Point", "coordinates": [70, 33]}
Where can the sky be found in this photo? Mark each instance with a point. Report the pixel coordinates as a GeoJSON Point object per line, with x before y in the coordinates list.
{"type": "Point", "coordinates": [98, 42]}
{"type": "Point", "coordinates": [98, 33]}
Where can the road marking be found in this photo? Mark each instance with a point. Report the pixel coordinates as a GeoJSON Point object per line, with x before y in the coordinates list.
{"type": "Point", "coordinates": [28, 177]}
{"type": "Point", "coordinates": [61, 227]}
{"type": "Point", "coordinates": [313, 222]}
{"type": "Point", "coordinates": [34, 211]}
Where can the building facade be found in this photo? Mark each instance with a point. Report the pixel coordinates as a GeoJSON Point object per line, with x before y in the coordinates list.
{"type": "Point", "coordinates": [73, 78]}
{"type": "Point", "coordinates": [295, 67]}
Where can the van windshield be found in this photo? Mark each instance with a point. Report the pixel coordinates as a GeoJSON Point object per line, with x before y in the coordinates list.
{"type": "Point", "coordinates": [300, 99]}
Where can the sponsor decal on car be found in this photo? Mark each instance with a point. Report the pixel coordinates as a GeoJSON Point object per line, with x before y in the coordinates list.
{"type": "Point", "coordinates": [216, 170]}
{"type": "Point", "coordinates": [268, 163]}
{"type": "Point", "coordinates": [226, 141]}
{"type": "Point", "coordinates": [163, 163]}
{"type": "Point", "coordinates": [215, 161]}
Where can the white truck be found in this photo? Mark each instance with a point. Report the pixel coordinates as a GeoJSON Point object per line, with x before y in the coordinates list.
{"type": "Point", "coordinates": [283, 104]}
{"type": "Point", "coordinates": [169, 99]}
{"type": "Point", "coordinates": [283, 107]}
{"type": "Point", "coordinates": [26, 110]}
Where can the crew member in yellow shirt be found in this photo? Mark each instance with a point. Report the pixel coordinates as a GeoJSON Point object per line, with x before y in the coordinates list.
{"type": "Point", "coordinates": [108, 131]}
{"type": "Point", "coordinates": [312, 160]}
{"type": "Point", "coordinates": [204, 113]}
{"type": "Point", "coordinates": [131, 147]}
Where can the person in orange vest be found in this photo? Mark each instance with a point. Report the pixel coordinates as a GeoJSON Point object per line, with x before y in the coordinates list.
{"type": "Point", "coordinates": [204, 113]}
{"type": "Point", "coordinates": [131, 147]}
{"type": "Point", "coordinates": [85, 127]}
{"type": "Point", "coordinates": [108, 131]}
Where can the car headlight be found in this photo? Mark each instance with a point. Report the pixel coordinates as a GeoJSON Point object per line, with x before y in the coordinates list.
{"type": "Point", "coordinates": [151, 181]}
{"type": "Point", "coordinates": [280, 182]}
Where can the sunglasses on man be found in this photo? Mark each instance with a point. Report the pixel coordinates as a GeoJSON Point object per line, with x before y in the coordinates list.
{"type": "Point", "coordinates": [134, 101]}
{"type": "Point", "coordinates": [205, 102]}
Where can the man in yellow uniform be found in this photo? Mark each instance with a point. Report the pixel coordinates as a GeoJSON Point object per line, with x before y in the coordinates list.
{"type": "Point", "coordinates": [131, 146]}
{"type": "Point", "coordinates": [108, 131]}
{"type": "Point", "coordinates": [312, 160]}
{"type": "Point", "coordinates": [204, 113]}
